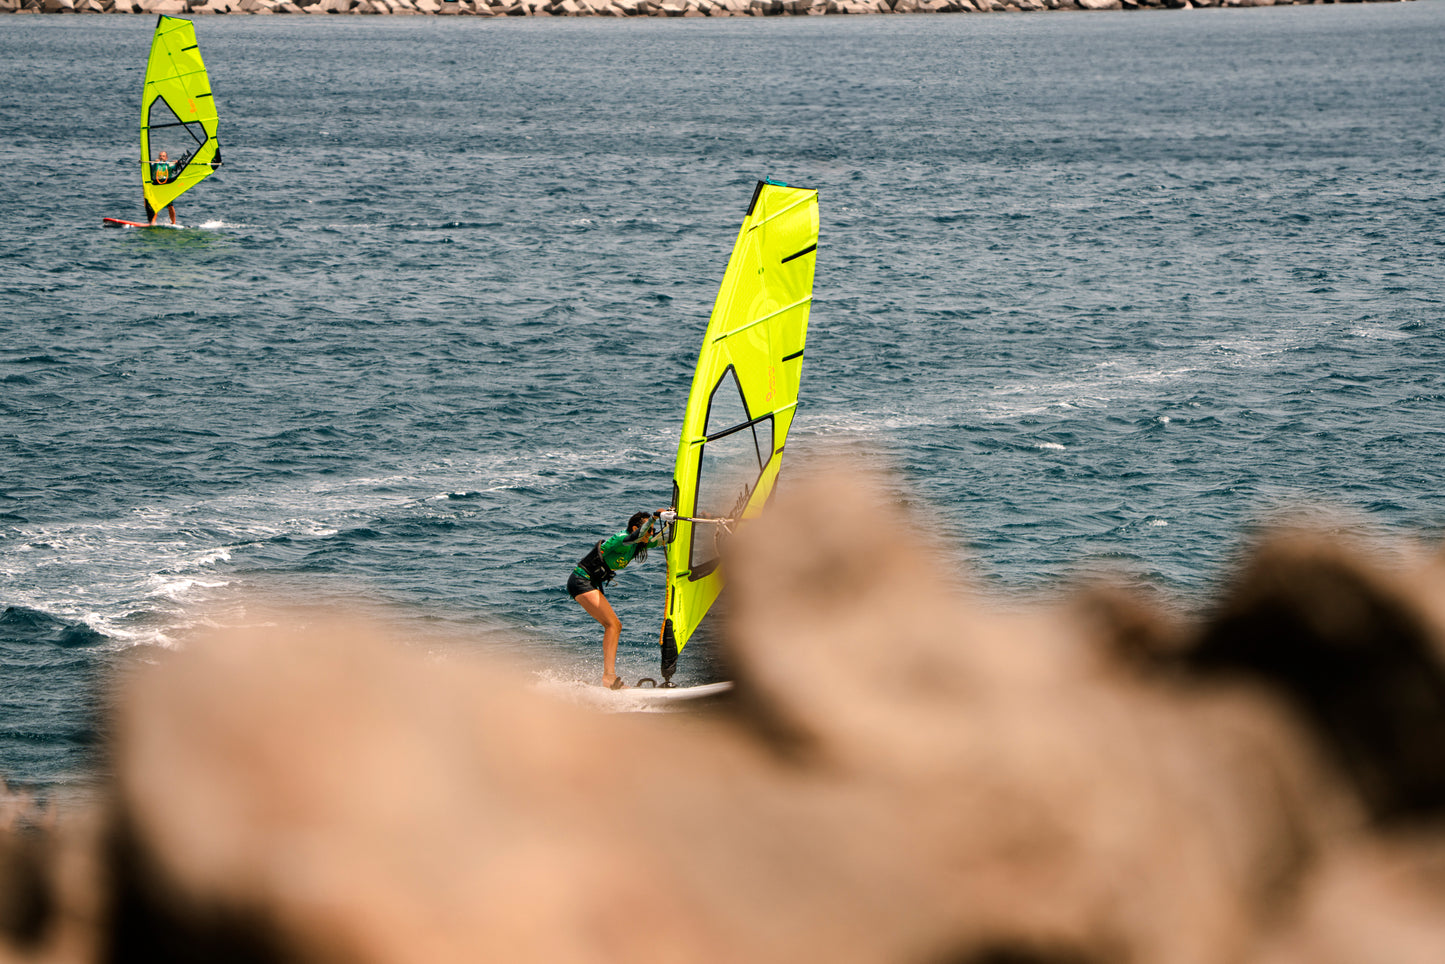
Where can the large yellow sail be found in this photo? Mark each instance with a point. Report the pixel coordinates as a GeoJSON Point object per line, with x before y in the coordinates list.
{"type": "Point", "coordinates": [744, 394]}
{"type": "Point", "coordinates": [178, 115]}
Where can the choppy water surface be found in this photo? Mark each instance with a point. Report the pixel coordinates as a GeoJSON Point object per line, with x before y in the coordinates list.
{"type": "Point", "coordinates": [1100, 287]}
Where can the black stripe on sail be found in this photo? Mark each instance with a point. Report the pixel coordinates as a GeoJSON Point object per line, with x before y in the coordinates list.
{"type": "Point", "coordinates": [807, 250]}
{"type": "Point", "coordinates": [754, 202]}
{"type": "Point", "coordinates": [796, 354]}
{"type": "Point", "coordinates": [203, 95]}
{"type": "Point", "coordinates": [191, 47]}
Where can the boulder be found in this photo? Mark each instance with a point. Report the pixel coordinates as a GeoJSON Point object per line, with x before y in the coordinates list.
{"type": "Point", "coordinates": [1099, 4]}
{"type": "Point", "coordinates": [906, 774]}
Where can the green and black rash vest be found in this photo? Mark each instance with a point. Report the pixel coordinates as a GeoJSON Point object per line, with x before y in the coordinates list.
{"type": "Point", "coordinates": [615, 552]}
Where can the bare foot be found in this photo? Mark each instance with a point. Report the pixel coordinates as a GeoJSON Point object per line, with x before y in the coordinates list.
{"type": "Point", "coordinates": [612, 681]}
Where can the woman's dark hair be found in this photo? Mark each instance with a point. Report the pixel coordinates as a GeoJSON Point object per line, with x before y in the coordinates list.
{"type": "Point", "coordinates": [638, 520]}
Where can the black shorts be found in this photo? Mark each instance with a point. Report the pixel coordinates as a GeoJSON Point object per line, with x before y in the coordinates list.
{"type": "Point", "coordinates": [577, 585]}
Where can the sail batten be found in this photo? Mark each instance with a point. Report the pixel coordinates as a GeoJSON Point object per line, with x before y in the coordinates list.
{"type": "Point", "coordinates": [784, 211]}
{"type": "Point", "coordinates": [743, 398]}
{"type": "Point", "coordinates": [745, 425]}
{"type": "Point", "coordinates": [759, 321]}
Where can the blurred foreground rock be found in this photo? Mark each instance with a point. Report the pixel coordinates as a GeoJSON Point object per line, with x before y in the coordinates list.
{"type": "Point", "coordinates": [904, 776]}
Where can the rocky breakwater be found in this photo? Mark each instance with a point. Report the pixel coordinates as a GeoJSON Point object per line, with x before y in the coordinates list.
{"type": "Point", "coordinates": [612, 8]}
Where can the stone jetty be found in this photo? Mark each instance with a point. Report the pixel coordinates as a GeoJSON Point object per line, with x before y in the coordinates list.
{"type": "Point", "coordinates": [611, 8]}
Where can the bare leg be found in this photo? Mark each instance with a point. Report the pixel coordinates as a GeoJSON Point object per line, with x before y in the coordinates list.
{"type": "Point", "coordinates": [600, 609]}
{"type": "Point", "coordinates": [172, 209]}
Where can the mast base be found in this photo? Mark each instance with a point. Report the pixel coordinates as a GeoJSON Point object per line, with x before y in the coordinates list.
{"type": "Point", "coordinates": [669, 654]}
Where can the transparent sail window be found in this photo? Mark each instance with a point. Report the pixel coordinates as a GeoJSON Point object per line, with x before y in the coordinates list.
{"type": "Point", "coordinates": [728, 467]}
{"type": "Point", "coordinates": [167, 132]}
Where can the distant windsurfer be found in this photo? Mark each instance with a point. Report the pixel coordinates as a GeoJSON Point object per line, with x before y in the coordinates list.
{"type": "Point", "coordinates": [597, 568]}
{"type": "Point", "coordinates": [162, 170]}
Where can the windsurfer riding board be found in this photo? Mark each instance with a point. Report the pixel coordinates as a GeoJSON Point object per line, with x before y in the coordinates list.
{"type": "Point", "coordinates": [161, 172]}
{"type": "Point", "coordinates": [599, 567]}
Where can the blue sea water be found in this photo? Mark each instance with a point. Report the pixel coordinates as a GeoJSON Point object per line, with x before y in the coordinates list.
{"type": "Point", "coordinates": [1101, 289]}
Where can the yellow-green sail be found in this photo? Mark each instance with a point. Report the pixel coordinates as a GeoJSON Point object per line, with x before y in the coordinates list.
{"type": "Point", "coordinates": [743, 397]}
{"type": "Point", "coordinates": [178, 115]}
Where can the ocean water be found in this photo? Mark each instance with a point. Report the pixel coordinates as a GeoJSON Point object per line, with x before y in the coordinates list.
{"type": "Point", "coordinates": [1099, 290]}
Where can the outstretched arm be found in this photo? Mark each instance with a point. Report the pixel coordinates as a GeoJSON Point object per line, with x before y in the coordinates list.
{"type": "Point", "coordinates": [662, 526]}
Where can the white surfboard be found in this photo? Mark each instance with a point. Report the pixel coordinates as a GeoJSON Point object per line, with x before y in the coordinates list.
{"type": "Point", "coordinates": [636, 699]}
{"type": "Point", "coordinates": [657, 694]}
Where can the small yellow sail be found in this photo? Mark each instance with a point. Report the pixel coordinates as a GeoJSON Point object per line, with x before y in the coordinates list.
{"type": "Point", "coordinates": [178, 115]}
{"type": "Point", "coordinates": [744, 393]}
